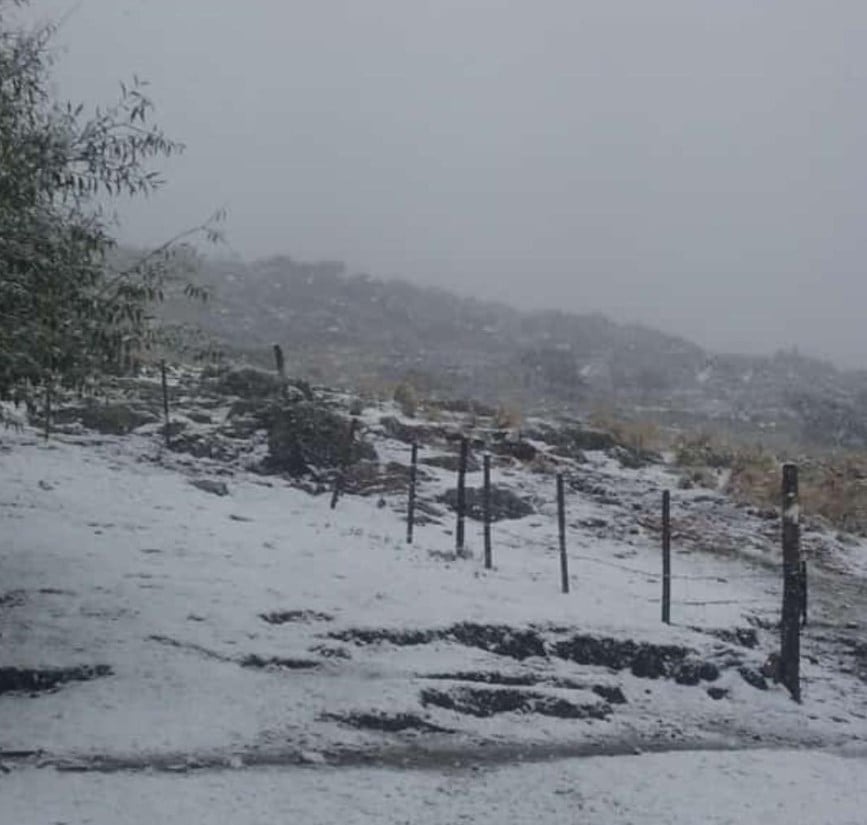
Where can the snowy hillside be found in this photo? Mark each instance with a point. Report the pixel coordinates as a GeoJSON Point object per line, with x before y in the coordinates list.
{"type": "Point", "coordinates": [164, 611]}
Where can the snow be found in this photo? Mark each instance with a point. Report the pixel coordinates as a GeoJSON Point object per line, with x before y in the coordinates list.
{"type": "Point", "coordinates": [712, 788]}
{"type": "Point", "coordinates": [110, 555]}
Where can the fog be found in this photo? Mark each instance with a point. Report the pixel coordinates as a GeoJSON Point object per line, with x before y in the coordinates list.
{"type": "Point", "coordinates": [696, 166]}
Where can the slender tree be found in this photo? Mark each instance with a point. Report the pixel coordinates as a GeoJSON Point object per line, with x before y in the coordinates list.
{"type": "Point", "coordinates": [67, 313]}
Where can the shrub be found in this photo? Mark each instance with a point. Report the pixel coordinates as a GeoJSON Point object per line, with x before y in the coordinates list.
{"type": "Point", "coordinates": [406, 398]}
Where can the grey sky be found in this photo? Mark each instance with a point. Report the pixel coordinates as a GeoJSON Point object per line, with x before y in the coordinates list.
{"type": "Point", "coordinates": [696, 165]}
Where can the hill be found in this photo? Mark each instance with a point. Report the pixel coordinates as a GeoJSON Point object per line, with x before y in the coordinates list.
{"type": "Point", "coordinates": [358, 331]}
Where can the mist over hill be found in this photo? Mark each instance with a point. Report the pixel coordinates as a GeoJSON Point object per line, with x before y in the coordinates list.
{"type": "Point", "coordinates": [366, 333]}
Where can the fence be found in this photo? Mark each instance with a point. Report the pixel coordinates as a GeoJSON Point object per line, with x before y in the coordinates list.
{"type": "Point", "coordinates": [794, 580]}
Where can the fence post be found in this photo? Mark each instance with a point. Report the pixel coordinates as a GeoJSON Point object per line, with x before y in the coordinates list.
{"type": "Point", "coordinates": [48, 386]}
{"type": "Point", "coordinates": [280, 363]}
{"type": "Point", "coordinates": [803, 593]}
{"type": "Point", "coordinates": [561, 522]}
{"type": "Point", "coordinates": [165, 400]}
{"type": "Point", "coordinates": [347, 454]}
{"type": "Point", "coordinates": [410, 509]}
{"type": "Point", "coordinates": [486, 501]}
{"type": "Point", "coordinates": [462, 495]}
{"type": "Point", "coordinates": [666, 557]}
{"type": "Point", "coordinates": [790, 641]}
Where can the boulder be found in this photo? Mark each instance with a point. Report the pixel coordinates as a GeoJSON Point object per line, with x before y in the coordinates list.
{"type": "Point", "coordinates": [211, 485]}
{"type": "Point", "coordinates": [307, 436]}
{"type": "Point", "coordinates": [504, 503]}
{"type": "Point", "coordinates": [248, 382]}
{"type": "Point", "coordinates": [115, 419]}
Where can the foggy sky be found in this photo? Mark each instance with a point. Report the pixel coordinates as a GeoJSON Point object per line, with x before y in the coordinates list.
{"type": "Point", "coordinates": [691, 164]}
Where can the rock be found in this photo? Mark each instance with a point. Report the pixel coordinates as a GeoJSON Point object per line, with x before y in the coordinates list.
{"type": "Point", "coordinates": [610, 693]}
{"type": "Point", "coordinates": [200, 417]}
{"type": "Point", "coordinates": [210, 485]}
{"type": "Point", "coordinates": [203, 445]}
{"type": "Point", "coordinates": [520, 450]}
{"type": "Point", "coordinates": [688, 673]}
{"type": "Point", "coordinates": [753, 677]}
{"type": "Point", "coordinates": [633, 459]}
{"type": "Point", "coordinates": [717, 692]}
{"type": "Point", "coordinates": [115, 419]}
{"type": "Point", "coordinates": [409, 433]}
{"type": "Point", "coordinates": [579, 438]}
{"type": "Point", "coordinates": [709, 672]}
{"type": "Point", "coordinates": [248, 382]}
{"type": "Point", "coordinates": [308, 436]}
{"type": "Point", "coordinates": [311, 758]}
{"type": "Point", "coordinates": [504, 503]}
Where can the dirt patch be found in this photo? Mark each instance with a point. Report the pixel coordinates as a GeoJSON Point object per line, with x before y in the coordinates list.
{"type": "Point", "coordinates": [499, 639]}
{"type": "Point", "coordinates": [278, 663]}
{"type": "Point", "coordinates": [489, 701]}
{"type": "Point", "coordinates": [288, 616]}
{"type": "Point", "coordinates": [611, 693]}
{"type": "Point", "coordinates": [487, 678]}
{"type": "Point", "coordinates": [13, 598]}
{"type": "Point", "coordinates": [399, 637]}
{"type": "Point", "coordinates": [504, 503]}
{"type": "Point", "coordinates": [644, 660]}
{"type": "Point", "coordinates": [41, 680]}
{"type": "Point", "coordinates": [385, 722]}
{"type": "Point", "coordinates": [741, 636]}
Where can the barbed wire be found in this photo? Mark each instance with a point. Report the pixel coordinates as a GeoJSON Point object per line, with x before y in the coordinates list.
{"type": "Point", "coordinates": [722, 578]}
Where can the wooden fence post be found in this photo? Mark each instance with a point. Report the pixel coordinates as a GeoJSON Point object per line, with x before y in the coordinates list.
{"type": "Point", "coordinates": [666, 557]}
{"type": "Point", "coordinates": [790, 641]}
{"type": "Point", "coordinates": [165, 384]}
{"type": "Point", "coordinates": [47, 431]}
{"type": "Point", "coordinates": [462, 495]}
{"type": "Point", "coordinates": [347, 455]}
{"type": "Point", "coordinates": [410, 509]}
{"type": "Point", "coordinates": [561, 522]}
{"type": "Point", "coordinates": [280, 363]}
{"type": "Point", "coordinates": [486, 501]}
{"type": "Point", "coordinates": [803, 593]}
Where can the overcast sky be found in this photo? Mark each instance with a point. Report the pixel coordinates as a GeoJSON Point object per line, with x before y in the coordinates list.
{"type": "Point", "coordinates": [696, 165]}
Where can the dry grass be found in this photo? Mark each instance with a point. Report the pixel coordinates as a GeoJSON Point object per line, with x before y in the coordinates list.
{"type": "Point", "coordinates": [406, 398]}
{"type": "Point", "coordinates": [832, 486]}
{"type": "Point", "coordinates": [508, 417]}
{"type": "Point", "coordinates": [703, 449]}
{"type": "Point", "coordinates": [638, 435]}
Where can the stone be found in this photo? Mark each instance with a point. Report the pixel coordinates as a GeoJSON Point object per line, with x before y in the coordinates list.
{"type": "Point", "coordinates": [504, 503]}
{"type": "Point", "coordinates": [307, 436]}
{"type": "Point", "coordinates": [211, 485]}
{"type": "Point", "coordinates": [115, 419]}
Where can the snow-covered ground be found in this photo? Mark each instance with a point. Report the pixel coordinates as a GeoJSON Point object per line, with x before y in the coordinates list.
{"type": "Point", "coordinates": [110, 556]}
{"type": "Point", "coordinates": [712, 788]}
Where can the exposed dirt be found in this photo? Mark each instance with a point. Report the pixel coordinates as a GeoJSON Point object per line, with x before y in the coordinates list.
{"type": "Point", "coordinates": [287, 616]}
{"type": "Point", "coordinates": [278, 663]}
{"type": "Point", "coordinates": [41, 680]}
{"type": "Point", "coordinates": [489, 701]}
{"type": "Point", "coordinates": [385, 722]}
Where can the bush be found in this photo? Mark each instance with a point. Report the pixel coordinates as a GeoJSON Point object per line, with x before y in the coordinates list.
{"type": "Point", "coordinates": [406, 398]}
{"type": "Point", "coordinates": [703, 450]}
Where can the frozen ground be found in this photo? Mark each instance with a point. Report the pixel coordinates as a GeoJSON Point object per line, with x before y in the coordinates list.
{"type": "Point", "coordinates": [409, 682]}
{"type": "Point", "coordinates": [673, 788]}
